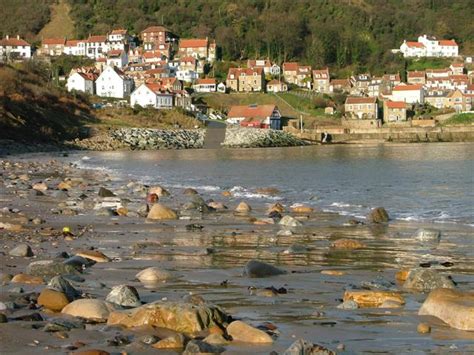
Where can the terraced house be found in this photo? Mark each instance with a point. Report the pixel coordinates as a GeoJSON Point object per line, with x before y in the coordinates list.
{"type": "Point", "coordinates": [245, 79]}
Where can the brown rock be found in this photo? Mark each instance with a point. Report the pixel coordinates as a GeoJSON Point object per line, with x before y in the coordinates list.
{"type": "Point", "coordinates": [27, 279]}
{"type": "Point", "coordinates": [172, 342]}
{"type": "Point", "coordinates": [217, 205]}
{"type": "Point", "coordinates": [190, 191]}
{"type": "Point", "coordinates": [333, 272]}
{"type": "Point", "coordinates": [226, 194]}
{"type": "Point", "coordinates": [302, 209]}
{"type": "Point", "coordinates": [277, 207]}
{"type": "Point", "coordinates": [378, 215]}
{"type": "Point", "coordinates": [243, 207]}
{"type": "Point", "coordinates": [10, 227]}
{"type": "Point", "coordinates": [368, 298]}
{"type": "Point", "coordinates": [122, 211]}
{"type": "Point", "coordinates": [40, 186]}
{"type": "Point", "coordinates": [268, 191]}
{"type": "Point", "coordinates": [456, 308]}
{"type": "Point", "coordinates": [161, 212]}
{"type": "Point", "coordinates": [91, 352]}
{"type": "Point", "coordinates": [402, 275]}
{"type": "Point", "coordinates": [240, 331]}
{"type": "Point", "coordinates": [423, 328]}
{"type": "Point", "coordinates": [264, 221]}
{"type": "Point", "coordinates": [64, 186]}
{"type": "Point", "coordinates": [178, 316]}
{"type": "Point", "coordinates": [158, 190]}
{"type": "Point", "coordinates": [52, 300]}
{"type": "Point", "coordinates": [347, 244]}
{"type": "Point", "coordinates": [95, 255]}
{"type": "Point", "coordinates": [92, 309]}
{"type": "Point", "coordinates": [154, 275]}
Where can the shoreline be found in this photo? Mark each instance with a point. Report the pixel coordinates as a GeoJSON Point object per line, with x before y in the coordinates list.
{"type": "Point", "coordinates": [203, 258]}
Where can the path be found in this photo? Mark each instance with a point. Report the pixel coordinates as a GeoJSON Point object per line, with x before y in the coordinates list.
{"type": "Point", "coordinates": [61, 24]}
{"type": "Point", "coordinates": [215, 133]}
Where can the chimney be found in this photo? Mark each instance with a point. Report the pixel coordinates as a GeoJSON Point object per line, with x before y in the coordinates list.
{"type": "Point", "coordinates": [17, 36]}
{"type": "Point", "coordinates": [8, 37]}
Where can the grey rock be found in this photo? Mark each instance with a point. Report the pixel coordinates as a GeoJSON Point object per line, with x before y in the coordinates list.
{"type": "Point", "coordinates": [149, 339]}
{"type": "Point", "coordinates": [289, 221]}
{"type": "Point", "coordinates": [50, 268]}
{"type": "Point", "coordinates": [103, 192]}
{"type": "Point", "coordinates": [125, 296]}
{"type": "Point", "coordinates": [3, 318]}
{"type": "Point", "coordinates": [304, 347]}
{"type": "Point", "coordinates": [200, 347]}
{"type": "Point", "coordinates": [378, 215]}
{"type": "Point", "coordinates": [255, 268]}
{"type": "Point", "coordinates": [348, 305]}
{"type": "Point", "coordinates": [425, 280]}
{"type": "Point", "coordinates": [59, 283]}
{"type": "Point", "coordinates": [23, 250]}
{"type": "Point", "coordinates": [429, 235]}
{"type": "Point", "coordinates": [79, 262]}
{"type": "Point", "coordinates": [296, 249]}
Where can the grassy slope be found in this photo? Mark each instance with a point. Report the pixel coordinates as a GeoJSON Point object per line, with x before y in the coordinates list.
{"type": "Point", "coordinates": [460, 119]}
{"type": "Point", "coordinates": [61, 24]}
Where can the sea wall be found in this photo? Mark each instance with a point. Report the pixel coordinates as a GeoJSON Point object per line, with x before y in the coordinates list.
{"type": "Point", "coordinates": [256, 137]}
{"type": "Point", "coordinates": [152, 139]}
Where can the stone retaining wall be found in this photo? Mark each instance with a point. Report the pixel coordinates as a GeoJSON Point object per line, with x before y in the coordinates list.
{"type": "Point", "coordinates": [256, 137]}
{"type": "Point", "coordinates": [144, 138]}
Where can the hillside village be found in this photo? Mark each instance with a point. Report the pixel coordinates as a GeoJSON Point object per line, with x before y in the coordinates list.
{"type": "Point", "coordinates": [158, 69]}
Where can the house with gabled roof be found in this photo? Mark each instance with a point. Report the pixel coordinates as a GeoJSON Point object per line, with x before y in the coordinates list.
{"type": "Point", "coordinates": [410, 93]}
{"type": "Point", "coordinates": [199, 48]}
{"type": "Point", "coordinates": [151, 95]}
{"type": "Point", "coordinates": [361, 108]}
{"type": "Point", "coordinates": [322, 81]}
{"type": "Point", "coordinates": [416, 77]}
{"type": "Point", "coordinates": [394, 111]}
{"type": "Point", "coordinates": [266, 65]}
{"type": "Point", "coordinates": [276, 86]}
{"type": "Point", "coordinates": [113, 82]}
{"type": "Point", "coordinates": [205, 85]}
{"type": "Point", "coordinates": [245, 79]}
{"type": "Point", "coordinates": [255, 116]}
{"type": "Point", "coordinates": [52, 47]}
{"type": "Point", "coordinates": [14, 48]}
{"type": "Point", "coordinates": [75, 47]}
{"type": "Point", "coordinates": [82, 81]}
{"type": "Point", "coordinates": [156, 34]}
{"type": "Point", "coordinates": [117, 58]}
{"type": "Point", "coordinates": [96, 46]}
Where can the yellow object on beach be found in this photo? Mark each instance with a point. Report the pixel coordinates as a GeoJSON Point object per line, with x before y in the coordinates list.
{"type": "Point", "coordinates": [66, 230]}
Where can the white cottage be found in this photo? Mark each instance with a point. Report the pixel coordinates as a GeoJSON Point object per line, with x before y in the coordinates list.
{"type": "Point", "coordinates": [112, 82]}
{"type": "Point", "coordinates": [14, 48]}
{"type": "Point", "coordinates": [149, 95]}
{"type": "Point", "coordinates": [117, 58]}
{"type": "Point", "coordinates": [83, 82]}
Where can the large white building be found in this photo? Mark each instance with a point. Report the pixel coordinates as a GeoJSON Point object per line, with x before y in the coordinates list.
{"type": "Point", "coordinates": [112, 82]}
{"type": "Point", "coordinates": [429, 46]}
{"type": "Point", "coordinates": [14, 48]}
{"type": "Point", "coordinates": [411, 94]}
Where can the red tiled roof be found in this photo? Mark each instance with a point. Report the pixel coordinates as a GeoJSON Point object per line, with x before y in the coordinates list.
{"type": "Point", "coordinates": [152, 54]}
{"type": "Point", "coordinates": [447, 42]}
{"type": "Point", "coordinates": [97, 39]}
{"type": "Point", "coordinates": [360, 100]}
{"type": "Point", "coordinates": [258, 111]}
{"type": "Point", "coordinates": [275, 82]}
{"type": "Point", "coordinates": [416, 74]}
{"type": "Point", "coordinates": [155, 29]}
{"type": "Point", "coordinates": [193, 43]}
{"type": "Point", "coordinates": [415, 44]}
{"type": "Point", "coordinates": [408, 87]}
{"type": "Point", "coordinates": [458, 65]}
{"type": "Point", "coordinates": [187, 59]}
{"type": "Point", "coordinates": [206, 81]}
{"type": "Point", "coordinates": [290, 66]}
{"type": "Point", "coordinates": [53, 41]}
{"type": "Point", "coordinates": [251, 63]}
{"type": "Point", "coordinates": [74, 42]}
{"type": "Point", "coordinates": [247, 71]}
{"type": "Point", "coordinates": [396, 104]}
{"type": "Point", "coordinates": [13, 42]}
{"type": "Point", "coordinates": [342, 82]}
{"type": "Point", "coordinates": [114, 53]}
{"type": "Point", "coordinates": [88, 76]}
{"type": "Point", "coordinates": [118, 32]}
{"type": "Point", "coordinates": [321, 73]}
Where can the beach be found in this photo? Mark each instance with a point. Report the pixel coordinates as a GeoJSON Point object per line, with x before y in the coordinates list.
{"type": "Point", "coordinates": [205, 251]}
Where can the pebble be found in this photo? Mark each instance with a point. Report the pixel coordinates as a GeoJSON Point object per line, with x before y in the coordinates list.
{"type": "Point", "coordinates": [423, 328]}
{"type": "Point", "coordinates": [22, 250]}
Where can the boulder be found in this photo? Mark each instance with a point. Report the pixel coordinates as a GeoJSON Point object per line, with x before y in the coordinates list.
{"type": "Point", "coordinates": [347, 244]}
{"type": "Point", "coordinates": [201, 347]}
{"type": "Point", "coordinates": [154, 275]}
{"type": "Point", "coordinates": [425, 280]}
{"type": "Point", "coordinates": [60, 284]}
{"type": "Point", "coordinates": [270, 191]}
{"type": "Point", "coordinates": [378, 215]}
{"type": "Point", "coordinates": [91, 309]}
{"type": "Point", "coordinates": [243, 207]}
{"type": "Point", "coordinates": [40, 186]}
{"type": "Point", "coordinates": [173, 342]}
{"type": "Point", "coordinates": [456, 308]}
{"type": "Point", "coordinates": [369, 298]}
{"type": "Point", "coordinates": [302, 209]}
{"type": "Point", "coordinates": [190, 191]}
{"type": "Point", "coordinates": [216, 339]}
{"type": "Point", "coordinates": [289, 221]}
{"type": "Point", "coordinates": [402, 275]}
{"type": "Point", "coordinates": [333, 272]}
{"type": "Point", "coordinates": [52, 300]}
{"type": "Point", "coordinates": [242, 332]}
{"type": "Point", "coordinates": [304, 347]}
{"type": "Point", "coordinates": [255, 268]}
{"type": "Point", "coordinates": [226, 194]}
{"type": "Point", "coordinates": [50, 268]}
{"type": "Point", "coordinates": [159, 191]}
{"type": "Point", "coordinates": [95, 255]}
{"type": "Point", "coordinates": [277, 207]}
{"type": "Point", "coordinates": [27, 279]}
{"type": "Point", "coordinates": [178, 316]}
{"type": "Point", "coordinates": [161, 212]}
{"type": "Point", "coordinates": [423, 328]}
{"type": "Point", "coordinates": [23, 250]}
{"type": "Point", "coordinates": [125, 296]}
{"type": "Point", "coordinates": [217, 205]}
{"type": "Point", "coordinates": [103, 192]}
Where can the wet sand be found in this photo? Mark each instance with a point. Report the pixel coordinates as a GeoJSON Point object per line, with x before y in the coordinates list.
{"type": "Point", "coordinates": [205, 258]}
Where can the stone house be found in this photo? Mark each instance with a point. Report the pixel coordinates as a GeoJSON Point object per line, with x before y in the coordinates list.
{"type": "Point", "coordinates": [276, 86]}
{"type": "Point", "coordinates": [361, 108]}
{"type": "Point", "coordinates": [199, 48]}
{"type": "Point", "coordinates": [52, 47]}
{"type": "Point", "coordinates": [416, 77]}
{"type": "Point", "coordinates": [156, 34]}
{"type": "Point", "coordinates": [321, 81]}
{"type": "Point", "coordinates": [245, 79]}
{"type": "Point", "coordinates": [342, 85]}
{"type": "Point", "coordinates": [459, 101]}
{"type": "Point", "coordinates": [360, 84]}
{"type": "Point", "coordinates": [394, 111]}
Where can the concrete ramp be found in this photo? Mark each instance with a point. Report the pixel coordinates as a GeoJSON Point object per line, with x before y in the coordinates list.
{"type": "Point", "coordinates": [215, 134]}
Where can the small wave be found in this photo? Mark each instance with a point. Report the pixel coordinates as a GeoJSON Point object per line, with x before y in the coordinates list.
{"type": "Point", "coordinates": [209, 188]}
{"type": "Point", "coordinates": [239, 191]}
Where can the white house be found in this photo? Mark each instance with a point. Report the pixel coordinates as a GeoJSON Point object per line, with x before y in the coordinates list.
{"type": "Point", "coordinates": [221, 88]}
{"type": "Point", "coordinates": [14, 48]}
{"type": "Point", "coordinates": [75, 47]}
{"type": "Point", "coordinates": [96, 47]}
{"type": "Point", "coordinates": [83, 82]}
{"type": "Point", "coordinates": [429, 46]}
{"type": "Point", "coordinates": [149, 95]}
{"type": "Point", "coordinates": [187, 75]}
{"type": "Point", "coordinates": [112, 82]}
{"type": "Point", "coordinates": [120, 40]}
{"type": "Point", "coordinates": [205, 85]}
{"type": "Point", "coordinates": [408, 93]}
{"type": "Point", "coordinates": [117, 58]}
